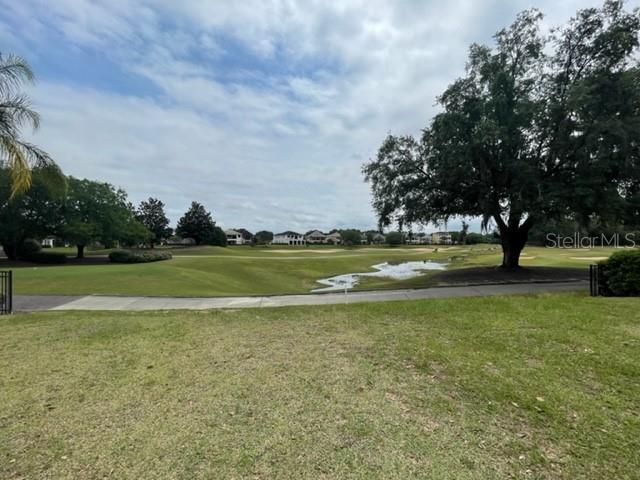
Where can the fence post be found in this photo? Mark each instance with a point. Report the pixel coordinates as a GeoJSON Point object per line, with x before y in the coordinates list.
{"type": "Point", "coordinates": [594, 281]}
{"type": "Point", "coordinates": [6, 292]}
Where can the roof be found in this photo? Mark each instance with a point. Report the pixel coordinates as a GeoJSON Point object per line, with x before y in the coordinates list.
{"type": "Point", "coordinates": [315, 232]}
{"type": "Point", "coordinates": [231, 232]}
{"type": "Point", "coordinates": [245, 233]}
{"type": "Point", "coordinates": [288, 233]}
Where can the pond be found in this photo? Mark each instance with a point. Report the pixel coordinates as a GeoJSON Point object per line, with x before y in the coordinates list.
{"type": "Point", "coordinates": [396, 271]}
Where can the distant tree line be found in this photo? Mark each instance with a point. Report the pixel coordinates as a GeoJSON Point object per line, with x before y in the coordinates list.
{"type": "Point", "coordinates": [84, 212]}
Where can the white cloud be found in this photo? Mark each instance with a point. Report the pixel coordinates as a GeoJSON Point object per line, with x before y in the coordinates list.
{"type": "Point", "coordinates": [275, 141]}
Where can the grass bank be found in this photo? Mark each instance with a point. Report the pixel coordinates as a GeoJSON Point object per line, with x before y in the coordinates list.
{"type": "Point", "coordinates": [502, 387]}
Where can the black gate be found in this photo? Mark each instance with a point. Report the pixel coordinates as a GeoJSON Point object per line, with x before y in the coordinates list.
{"type": "Point", "coordinates": [6, 293]}
{"type": "Point", "coordinates": [595, 280]}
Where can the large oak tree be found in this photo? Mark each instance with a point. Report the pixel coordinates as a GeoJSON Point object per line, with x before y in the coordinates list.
{"type": "Point", "coordinates": [539, 127]}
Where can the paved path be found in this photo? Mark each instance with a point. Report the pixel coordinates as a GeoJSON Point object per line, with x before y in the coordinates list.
{"type": "Point", "coordinates": [109, 302]}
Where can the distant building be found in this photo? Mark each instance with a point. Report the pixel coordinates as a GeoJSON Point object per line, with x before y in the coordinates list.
{"type": "Point", "coordinates": [238, 236]}
{"type": "Point", "coordinates": [48, 242]}
{"type": "Point", "coordinates": [288, 238]}
{"type": "Point", "coordinates": [247, 236]}
{"type": "Point", "coordinates": [441, 238]}
{"type": "Point", "coordinates": [419, 239]}
{"type": "Point", "coordinates": [233, 237]}
{"type": "Point", "coordinates": [379, 238]}
{"type": "Point", "coordinates": [334, 238]}
{"type": "Point", "coordinates": [315, 237]}
{"type": "Point", "coordinates": [178, 240]}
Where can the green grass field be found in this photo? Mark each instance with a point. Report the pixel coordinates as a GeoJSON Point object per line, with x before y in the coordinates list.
{"type": "Point", "coordinates": [544, 387]}
{"type": "Point", "coordinates": [215, 271]}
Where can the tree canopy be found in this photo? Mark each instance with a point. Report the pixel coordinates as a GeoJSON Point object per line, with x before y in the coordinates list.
{"type": "Point", "coordinates": [33, 215]}
{"type": "Point", "coordinates": [198, 224]}
{"type": "Point", "coordinates": [151, 214]}
{"type": "Point", "coordinates": [98, 212]}
{"type": "Point", "coordinates": [539, 127]}
{"type": "Point", "coordinates": [263, 237]}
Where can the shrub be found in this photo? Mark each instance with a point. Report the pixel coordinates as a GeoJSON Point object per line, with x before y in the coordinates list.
{"type": "Point", "coordinates": [46, 257]}
{"type": "Point", "coordinates": [621, 274]}
{"type": "Point", "coordinates": [29, 247]}
{"type": "Point", "coordinates": [126, 256]}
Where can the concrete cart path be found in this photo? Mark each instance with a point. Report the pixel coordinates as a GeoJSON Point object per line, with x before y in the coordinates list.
{"type": "Point", "coordinates": [109, 302]}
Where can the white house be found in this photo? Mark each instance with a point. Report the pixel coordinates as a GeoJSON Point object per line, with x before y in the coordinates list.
{"type": "Point", "coordinates": [419, 239]}
{"type": "Point", "coordinates": [288, 238]}
{"type": "Point", "coordinates": [234, 237]}
{"type": "Point", "coordinates": [441, 238]}
{"type": "Point", "coordinates": [48, 242]}
{"type": "Point", "coordinates": [334, 238]}
{"type": "Point", "coordinates": [315, 237]}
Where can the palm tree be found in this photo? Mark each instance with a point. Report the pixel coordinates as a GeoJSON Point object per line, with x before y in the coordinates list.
{"type": "Point", "coordinates": [15, 113]}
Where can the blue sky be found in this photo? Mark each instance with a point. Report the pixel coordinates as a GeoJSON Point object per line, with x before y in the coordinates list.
{"type": "Point", "coordinates": [264, 111]}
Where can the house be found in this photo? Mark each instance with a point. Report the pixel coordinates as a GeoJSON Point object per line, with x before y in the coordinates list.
{"type": "Point", "coordinates": [247, 236]}
{"type": "Point", "coordinates": [315, 237]}
{"type": "Point", "coordinates": [288, 238]}
{"type": "Point", "coordinates": [178, 240]}
{"type": "Point", "coordinates": [48, 242]}
{"type": "Point", "coordinates": [334, 238]}
{"type": "Point", "coordinates": [379, 238]}
{"type": "Point", "coordinates": [419, 238]}
{"type": "Point", "coordinates": [238, 236]}
{"type": "Point", "coordinates": [441, 238]}
{"type": "Point", "coordinates": [233, 237]}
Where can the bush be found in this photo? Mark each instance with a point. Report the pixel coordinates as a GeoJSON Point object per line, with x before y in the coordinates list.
{"type": "Point", "coordinates": [621, 274]}
{"type": "Point", "coordinates": [29, 247]}
{"type": "Point", "coordinates": [126, 256]}
{"type": "Point", "coordinates": [46, 257]}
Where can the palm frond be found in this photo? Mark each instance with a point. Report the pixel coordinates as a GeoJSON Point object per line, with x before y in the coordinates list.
{"type": "Point", "coordinates": [14, 71]}
{"type": "Point", "coordinates": [18, 165]}
{"type": "Point", "coordinates": [20, 157]}
{"type": "Point", "coordinates": [16, 111]}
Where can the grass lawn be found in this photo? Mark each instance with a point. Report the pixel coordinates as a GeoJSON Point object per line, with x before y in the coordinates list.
{"type": "Point", "coordinates": [501, 387]}
{"type": "Point", "coordinates": [211, 271]}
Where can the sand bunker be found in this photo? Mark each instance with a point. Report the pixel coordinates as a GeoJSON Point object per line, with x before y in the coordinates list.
{"type": "Point", "coordinates": [305, 250]}
{"type": "Point", "coordinates": [595, 259]}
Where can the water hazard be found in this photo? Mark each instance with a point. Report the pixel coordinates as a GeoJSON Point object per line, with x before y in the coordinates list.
{"type": "Point", "coordinates": [396, 271]}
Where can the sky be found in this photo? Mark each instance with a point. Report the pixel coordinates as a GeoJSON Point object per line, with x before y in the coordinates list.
{"type": "Point", "coordinates": [263, 111]}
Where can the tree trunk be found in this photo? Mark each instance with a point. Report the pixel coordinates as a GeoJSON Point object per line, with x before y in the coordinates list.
{"type": "Point", "coordinates": [80, 253]}
{"type": "Point", "coordinates": [10, 250]}
{"type": "Point", "coordinates": [513, 241]}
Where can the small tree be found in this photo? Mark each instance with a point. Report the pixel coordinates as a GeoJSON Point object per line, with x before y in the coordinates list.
{"type": "Point", "coordinates": [263, 237]}
{"type": "Point", "coordinates": [538, 128]}
{"type": "Point", "coordinates": [218, 238]}
{"type": "Point", "coordinates": [151, 214]}
{"type": "Point", "coordinates": [351, 237]}
{"type": "Point", "coordinates": [197, 223]}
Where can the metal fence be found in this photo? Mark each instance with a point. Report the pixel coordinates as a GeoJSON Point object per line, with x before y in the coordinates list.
{"type": "Point", "coordinates": [595, 280]}
{"type": "Point", "coordinates": [6, 293]}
